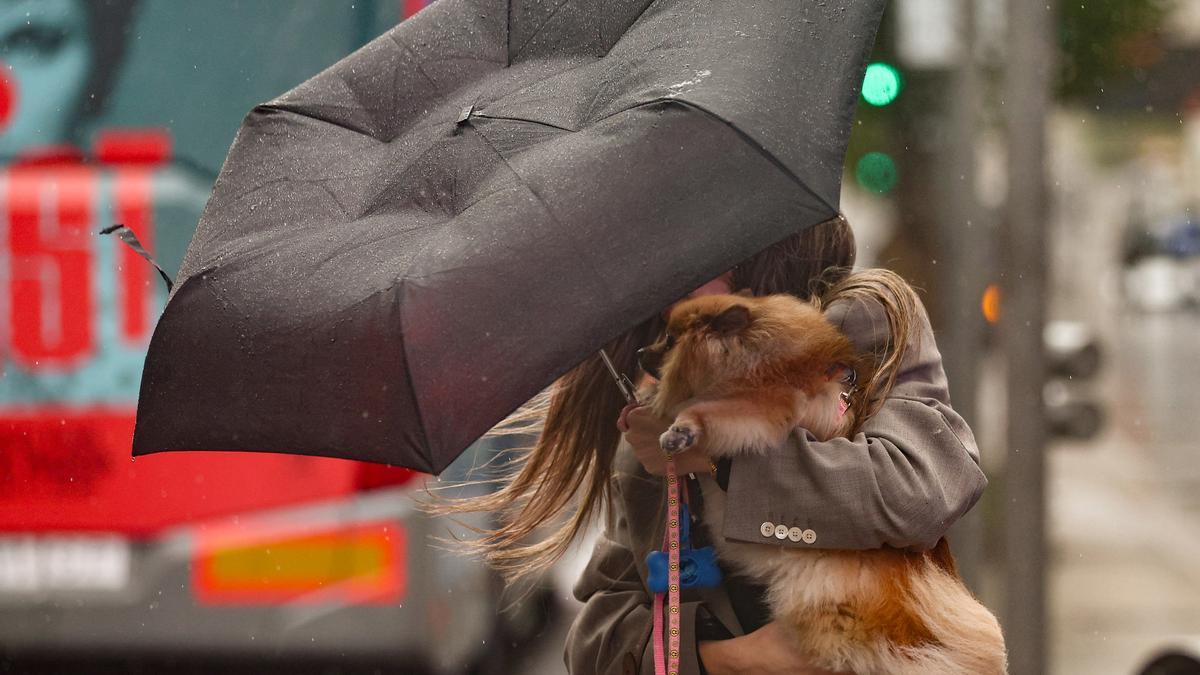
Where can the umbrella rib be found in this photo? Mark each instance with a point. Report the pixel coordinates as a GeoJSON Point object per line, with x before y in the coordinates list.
{"type": "Point", "coordinates": [744, 135]}
{"type": "Point", "coordinates": [412, 389]}
{"type": "Point", "coordinates": [420, 64]}
{"type": "Point", "coordinates": [540, 200]}
{"type": "Point", "coordinates": [521, 119]}
{"type": "Point", "coordinates": [535, 33]}
{"type": "Point", "coordinates": [629, 27]}
{"type": "Point", "coordinates": [312, 113]}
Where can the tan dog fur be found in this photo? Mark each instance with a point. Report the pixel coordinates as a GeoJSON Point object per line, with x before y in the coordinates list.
{"type": "Point", "coordinates": [739, 375]}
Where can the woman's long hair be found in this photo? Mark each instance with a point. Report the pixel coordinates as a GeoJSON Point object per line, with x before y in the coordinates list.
{"type": "Point", "coordinates": [901, 307]}
{"type": "Point", "coordinates": [571, 463]}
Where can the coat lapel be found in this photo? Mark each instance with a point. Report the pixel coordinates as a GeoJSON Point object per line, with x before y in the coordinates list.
{"type": "Point", "coordinates": [717, 602]}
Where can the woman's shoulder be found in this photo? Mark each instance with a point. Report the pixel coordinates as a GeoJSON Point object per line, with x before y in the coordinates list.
{"type": "Point", "coordinates": [864, 319]}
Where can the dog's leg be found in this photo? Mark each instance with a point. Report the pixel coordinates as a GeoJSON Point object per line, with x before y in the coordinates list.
{"type": "Point", "coordinates": [743, 422]}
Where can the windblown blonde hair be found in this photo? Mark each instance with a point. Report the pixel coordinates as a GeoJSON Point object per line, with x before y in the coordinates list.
{"type": "Point", "coordinates": [901, 307]}
{"type": "Point", "coordinates": [563, 480]}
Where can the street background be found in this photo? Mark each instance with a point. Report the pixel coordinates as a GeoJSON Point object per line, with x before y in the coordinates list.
{"type": "Point", "coordinates": [1034, 167]}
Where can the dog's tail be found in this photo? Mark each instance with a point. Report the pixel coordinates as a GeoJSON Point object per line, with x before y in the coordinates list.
{"type": "Point", "coordinates": [968, 636]}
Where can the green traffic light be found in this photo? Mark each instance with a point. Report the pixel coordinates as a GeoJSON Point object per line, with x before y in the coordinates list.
{"type": "Point", "coordinates": [877, 172]}
{"type": "Point", "coordinates": [881, 84]}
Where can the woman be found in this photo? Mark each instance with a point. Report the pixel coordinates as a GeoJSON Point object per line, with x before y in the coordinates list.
{"type": "Point", "coordinates": [910, 472]}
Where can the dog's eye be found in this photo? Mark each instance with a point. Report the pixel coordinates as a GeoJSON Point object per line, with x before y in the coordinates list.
{"type": "Point", "coordinates": [670, 341]}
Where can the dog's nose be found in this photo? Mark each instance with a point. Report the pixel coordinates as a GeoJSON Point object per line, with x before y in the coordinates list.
{"type": "Point", "coordinates": [649, 361]}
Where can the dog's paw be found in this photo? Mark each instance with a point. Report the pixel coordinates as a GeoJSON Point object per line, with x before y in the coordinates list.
{"type": "Point", "coordinates": [678, 438]}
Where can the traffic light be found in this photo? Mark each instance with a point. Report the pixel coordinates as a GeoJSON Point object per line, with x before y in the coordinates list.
{"type": "Point", "coordinates": [1073, 358]}
{"type": "Point", "coordinates": [876, 170]}
{"type": "Point", "coordinates": [881, 84]}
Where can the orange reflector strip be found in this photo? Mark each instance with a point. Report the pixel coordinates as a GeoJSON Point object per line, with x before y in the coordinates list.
{"type": "Point", "coordinates": [990, 303]}
{"type": "Point", "coordinates": [362, 564]}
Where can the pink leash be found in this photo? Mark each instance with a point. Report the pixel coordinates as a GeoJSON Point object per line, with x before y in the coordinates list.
{"type": "Point", "coordinates": [670, 664]}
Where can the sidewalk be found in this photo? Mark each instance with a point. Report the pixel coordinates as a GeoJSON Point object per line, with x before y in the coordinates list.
{"type": "Point", "coordinates": [1125, 514]}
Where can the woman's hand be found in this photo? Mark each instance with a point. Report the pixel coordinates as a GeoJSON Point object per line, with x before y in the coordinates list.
{"type": "Point", "coordinates": [767, 651]}
{"type": "Point", "coordinates": [642, 429]}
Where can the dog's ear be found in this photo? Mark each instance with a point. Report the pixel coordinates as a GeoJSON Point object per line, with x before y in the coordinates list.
{"type": "Point", "coordinates": [731, 320]}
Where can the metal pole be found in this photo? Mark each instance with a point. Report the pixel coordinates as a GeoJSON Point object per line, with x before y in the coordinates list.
{"type": "Point", "coordinates": [1028, 80]}
{"type": "Point", "coordinates": [963, 268]}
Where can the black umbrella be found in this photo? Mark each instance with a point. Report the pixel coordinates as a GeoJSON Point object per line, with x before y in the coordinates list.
{"type": "Point", "coordinates": [402, 250]}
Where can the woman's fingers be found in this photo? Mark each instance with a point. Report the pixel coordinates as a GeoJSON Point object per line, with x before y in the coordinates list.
{"type": "Point", "coordinates": [623, 418]}
{"type": "Point", "coordinates": [642, 419]}
{"type": "Point", "coordinates": [642, 429]}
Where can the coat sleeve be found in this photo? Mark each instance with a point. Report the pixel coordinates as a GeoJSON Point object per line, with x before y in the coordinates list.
{"type": "Point", "coordinates": [611, 633]}
{"type": "Point", "coordinates": [911, 472]}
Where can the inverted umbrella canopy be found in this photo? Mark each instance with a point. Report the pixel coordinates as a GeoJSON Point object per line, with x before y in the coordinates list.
{"type": "Point", "coordinates": [401, 251]}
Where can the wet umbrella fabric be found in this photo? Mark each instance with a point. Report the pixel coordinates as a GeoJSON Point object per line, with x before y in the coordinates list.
{"type": "Point", "coordinates": [403, 249]}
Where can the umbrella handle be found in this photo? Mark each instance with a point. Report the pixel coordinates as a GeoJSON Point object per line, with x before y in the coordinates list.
{"type": "Point", "coordinates": [623, 382]}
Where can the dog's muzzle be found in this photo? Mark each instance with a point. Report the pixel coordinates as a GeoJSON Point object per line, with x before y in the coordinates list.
{"type": "Point", "coordinates": [650, 361]}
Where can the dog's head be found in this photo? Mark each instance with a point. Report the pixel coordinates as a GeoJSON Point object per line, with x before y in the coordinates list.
{"type": "Point", "coordinates": [719, 338]}
{"type": "Point", "coordinates": [707, 337]}
{"type": "Point", "coordinates": [692, 322]}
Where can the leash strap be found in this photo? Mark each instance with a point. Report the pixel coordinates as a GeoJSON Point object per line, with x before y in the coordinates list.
{"type": "Point", "coordinates": [668, 663]}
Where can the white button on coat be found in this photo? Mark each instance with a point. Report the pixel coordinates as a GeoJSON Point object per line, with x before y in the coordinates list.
{"type": "Point", "coordinates": [767, 528]}
{"type": "Point", "coordinates": [809, 536]}
{"type": "Point", "coordinates": [795, 534]}
{"type": "Point", "coordinates": [781, 531]}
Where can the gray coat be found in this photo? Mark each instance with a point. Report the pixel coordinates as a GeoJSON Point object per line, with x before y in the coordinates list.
{"type": "Point", "coordinates": [909, 474]}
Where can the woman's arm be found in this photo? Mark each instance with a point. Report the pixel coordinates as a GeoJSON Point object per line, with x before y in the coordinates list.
{"type": "Point", "coordinates": [770, 650]}
{"type": "Point", "coordinates": [611, 634]}
{"type": "Point", "coordinates": [911, 472]}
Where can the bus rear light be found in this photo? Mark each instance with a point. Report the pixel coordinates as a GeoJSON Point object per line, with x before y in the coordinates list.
{"type": "Point", "coordinates": [360, 564]}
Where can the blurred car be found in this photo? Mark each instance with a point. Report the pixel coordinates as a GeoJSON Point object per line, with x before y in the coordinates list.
{"type": "Point", "coordinates": [1161, 264]}
{"type": "Point", "coordinates": [294, 558]}
{"type": "Point", "coordinates": [1177, 657]}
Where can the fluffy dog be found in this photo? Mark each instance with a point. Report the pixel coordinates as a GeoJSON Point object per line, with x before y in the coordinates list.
{"type": "Point", "coordinates": [739, 375]}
